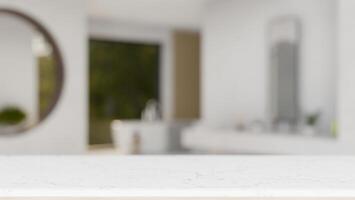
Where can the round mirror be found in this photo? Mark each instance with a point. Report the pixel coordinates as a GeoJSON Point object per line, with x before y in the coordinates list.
{"type": "Point", "coordinates": [31, 72]}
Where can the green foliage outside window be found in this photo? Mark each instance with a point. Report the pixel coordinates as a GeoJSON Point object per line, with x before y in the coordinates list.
{"type": "Point", "coordinates": [123, 77]}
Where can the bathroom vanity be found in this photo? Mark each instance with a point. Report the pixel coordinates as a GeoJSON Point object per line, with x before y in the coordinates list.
{"type": "Point", "coordinates": [231, 141]}
{"type": "Point", "coordinates": [205, 138]}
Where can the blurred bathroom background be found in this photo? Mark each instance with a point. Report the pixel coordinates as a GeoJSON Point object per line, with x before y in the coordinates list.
{"type": "Point", "coordinates": [177, 77]}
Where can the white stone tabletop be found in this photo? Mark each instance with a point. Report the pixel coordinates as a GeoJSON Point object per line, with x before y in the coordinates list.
{"type": "Point", "coordinates": [177, 176]}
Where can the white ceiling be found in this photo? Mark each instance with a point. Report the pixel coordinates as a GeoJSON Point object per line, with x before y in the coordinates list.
{"type": "Point", "coordinates": [171, 13]}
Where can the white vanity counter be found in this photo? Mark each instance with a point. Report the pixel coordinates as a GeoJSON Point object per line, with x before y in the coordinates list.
{"type": "Point", "coordinates": [232, 141]}
{"type": "Point", "coordinates": [177, 176]}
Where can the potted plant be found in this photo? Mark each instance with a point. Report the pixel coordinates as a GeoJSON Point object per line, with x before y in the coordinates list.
{"type": "Point", "coordinates": [311, 124]}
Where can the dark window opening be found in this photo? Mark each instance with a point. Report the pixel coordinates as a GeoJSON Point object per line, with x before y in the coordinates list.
{"type": "Point", "coordinates": [124, 76]}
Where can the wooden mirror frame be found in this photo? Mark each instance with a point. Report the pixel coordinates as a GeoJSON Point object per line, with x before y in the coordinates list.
{"type": "Point", "coordinates": [59, 69]}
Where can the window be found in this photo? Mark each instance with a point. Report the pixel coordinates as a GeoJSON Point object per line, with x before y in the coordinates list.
{"type": "Point", "coordinates": [123, 77]}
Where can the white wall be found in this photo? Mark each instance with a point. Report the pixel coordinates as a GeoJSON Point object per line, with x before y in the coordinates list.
{"type": "Point", "coordinates": [136, 32]}
{"type": "Point", "coordinates": [182, 14]}
{"type": "Point", "coordinates": [235, 73]}
{"type": "Point", "coordinates": [18, 64]}
{"type": "Point", "coordinates": [65, 130]}
{"type": "Point", "coordinates": [346, 92]}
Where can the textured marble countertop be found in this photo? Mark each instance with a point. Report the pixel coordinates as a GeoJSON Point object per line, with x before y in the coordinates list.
{"type": "Point", "coordinates": [177, 176]}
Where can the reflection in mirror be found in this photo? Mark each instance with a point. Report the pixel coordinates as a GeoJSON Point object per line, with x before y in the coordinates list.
{"type": "Point", "coordinates": [285, 45]}
{"type": "Point", "coordinates": [294, 87]}
{"type": "Point", "coordinates": [30, 73]}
